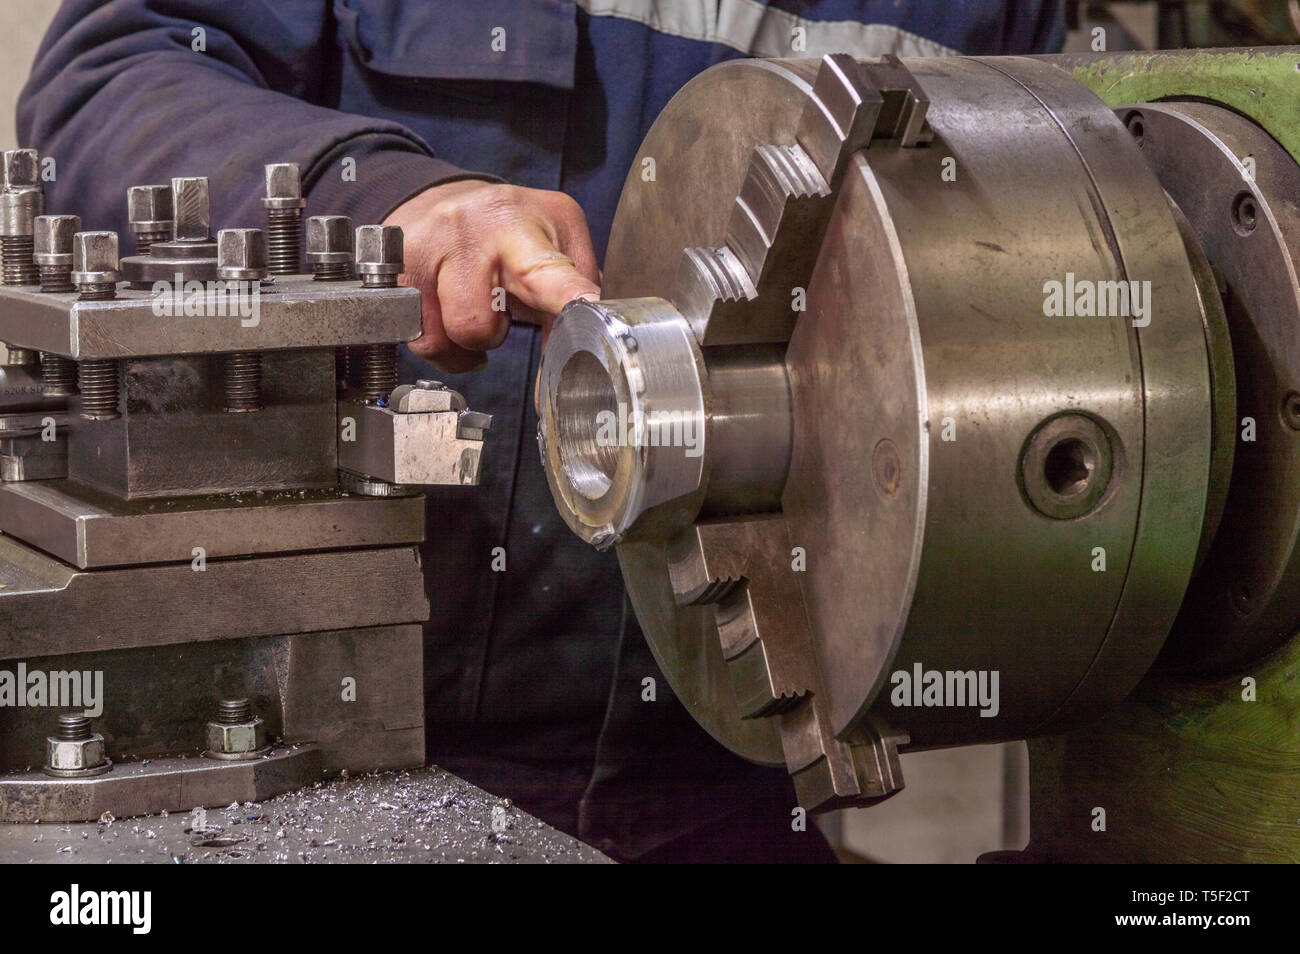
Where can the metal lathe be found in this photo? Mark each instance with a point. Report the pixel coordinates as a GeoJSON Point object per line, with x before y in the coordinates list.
{"type": "Point", "coordinates": [930, 403]}
{"type": "Point", "coordinates": [949, 401]}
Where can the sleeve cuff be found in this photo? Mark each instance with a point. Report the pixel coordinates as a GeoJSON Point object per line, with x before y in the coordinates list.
{"type": "Point", "coordinates": [388, 173]}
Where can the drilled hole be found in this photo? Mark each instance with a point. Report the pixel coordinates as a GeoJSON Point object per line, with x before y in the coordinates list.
{"type": "Point", "coordinates": [1068, 466]}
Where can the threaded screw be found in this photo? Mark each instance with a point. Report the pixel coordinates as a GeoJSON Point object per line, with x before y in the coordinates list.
{"type": "Point", "coordinates": [242, 257]}
{"type": "Point", "coordinates": [378, 370]}
{"type": "Point", "coordinates": [284, 204]}
{"type": "Point", "coordinates": [16, 260]}
{"type": "Point", "coordinates": [73, 727]}
{"type": "Point", "coordinates": [243, 381]}
{"type": "Point", "coordinates": [55, 279]}
{"type": "Point", "coordinates": [234, 711]}
{"type": "Point", "coordinates": [99, 381]}
{"type": "Point", "coordinates": [58, 375]}
{"type": "Point", "coordinates": [342, 366]}
{"type": "Point", "coordinates": [21, 201]}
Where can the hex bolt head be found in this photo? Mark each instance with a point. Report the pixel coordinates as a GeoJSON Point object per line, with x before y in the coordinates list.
{"type": "Point", "coordinates": [379, 250]}
{"type": "Point", "coordinates": [149, 208]}
{"type": "Point", "coordinates": [329, 239]}
{"type": "Point", "coordinates": [283, 186]}
{"type": "Point", "coordinates": [21, 170]}
{"type": "Point", "coordinates": [236, 733]}
{"type": "Point", "coordinates": [241, 254]}
{"type": "Point", "coordinates": [74, 750]}
{"type": "Point", "coordinates": [192, 209]}
{"type": "Point", "coordinates": [94, 258]}
{"type": "Point", "coordinates": [54, 234]}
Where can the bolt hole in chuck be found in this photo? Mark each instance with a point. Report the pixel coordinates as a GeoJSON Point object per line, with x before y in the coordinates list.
{"type": "Point", "coordinates": [1067, 466]}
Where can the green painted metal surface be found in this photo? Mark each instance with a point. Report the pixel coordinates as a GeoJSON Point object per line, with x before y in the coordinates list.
{"type": "Point", "coordinates": [1263, 84]}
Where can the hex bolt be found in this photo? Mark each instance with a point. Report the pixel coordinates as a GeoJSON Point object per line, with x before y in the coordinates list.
{"type": "Point", "coordinates": [21, 169]}
{"type": "Point", "coordinates": [329, 247]}
{"type": "Point", "coordinates": [149, 210]}
{"type": "Point", "coordinates": [330, 254]}
{"type": "Point", "coordinates": [284, 204]}
{"type": "Point", "coordinates": [73, 727]}
{"type": "Point", "coordinates": [53, 256]}
{"type": "Point", "coordinates": [94, 265]}
{"type": "Point", "coordinates": [379, 255]}
{"type": "Point", "coordinates": [234, 711]}
{"type": "Point", "coordinates": [53, 251]}
{"type": "Point", "coordinates": [94, 272]}
{"type": "Point", "coordinates": [379, 262]}
{"type": "Point", "coordinates": [21, 201]}
{"type": "Point", "coordinates": [74, 749]}
{"type": "Point", "coordinates": [191, 209]}
{"type": "Point", "coordinates": [242, 257]}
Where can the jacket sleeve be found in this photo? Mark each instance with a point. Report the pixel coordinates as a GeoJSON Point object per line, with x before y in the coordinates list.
{"type": "Point", "coordinates": [129, 92]}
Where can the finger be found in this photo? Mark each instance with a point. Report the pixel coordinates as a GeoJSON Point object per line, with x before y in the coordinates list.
{"type": "Point", "coordinates": [474, 309]}
{"type": "Point", "coordinates": [433, 345]}
{"type": "Point", "coordinates": [538, 273]}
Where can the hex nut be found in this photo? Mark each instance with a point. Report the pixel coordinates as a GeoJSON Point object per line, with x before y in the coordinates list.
{"type": "Point", "coordinates": [81, 757]}
{"type": "Point", "coordinates": [240, 740]}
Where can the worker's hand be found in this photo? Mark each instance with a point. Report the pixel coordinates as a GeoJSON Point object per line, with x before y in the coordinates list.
{"type": "Point", "coordinates": [479, 251]}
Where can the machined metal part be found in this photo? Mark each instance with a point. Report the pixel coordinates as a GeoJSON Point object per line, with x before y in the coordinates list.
{"type": "Point", "coordinates": [152, 786]}
{"type": "Point", "coordinates": [1235, 185]}
{"type": "Point", "coordinates": [882, 414]}
{"type": "Point", "coordinates": [284, 204]}
{"type": "Point", "coordinates": [425, 444]}
{"type": "Point", "coordinates": [91, 529]}
{"type": "Point", "coordinates": [330, 247]}
{"type": "Point", "coordinates": [94, 265]}
{"type": "Point", "coordinates": [157, 700]}
{"type": "Point", "coordinates": [22, 201]}
{"type": "Point", "coordinates": [301, 314]}
{"type": "Point", "coordinates": [379, 254]}
{"type": "Point", "coordinates": [179, 549]}
{"type": "Point", "coordinates": [74, 751]}
{"type": "Point", "coordinates": [236, 735]}
{"type": "Point", "coordinates": [149, 212]}
{"type": "Point", "coordinates": [31, 457]}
